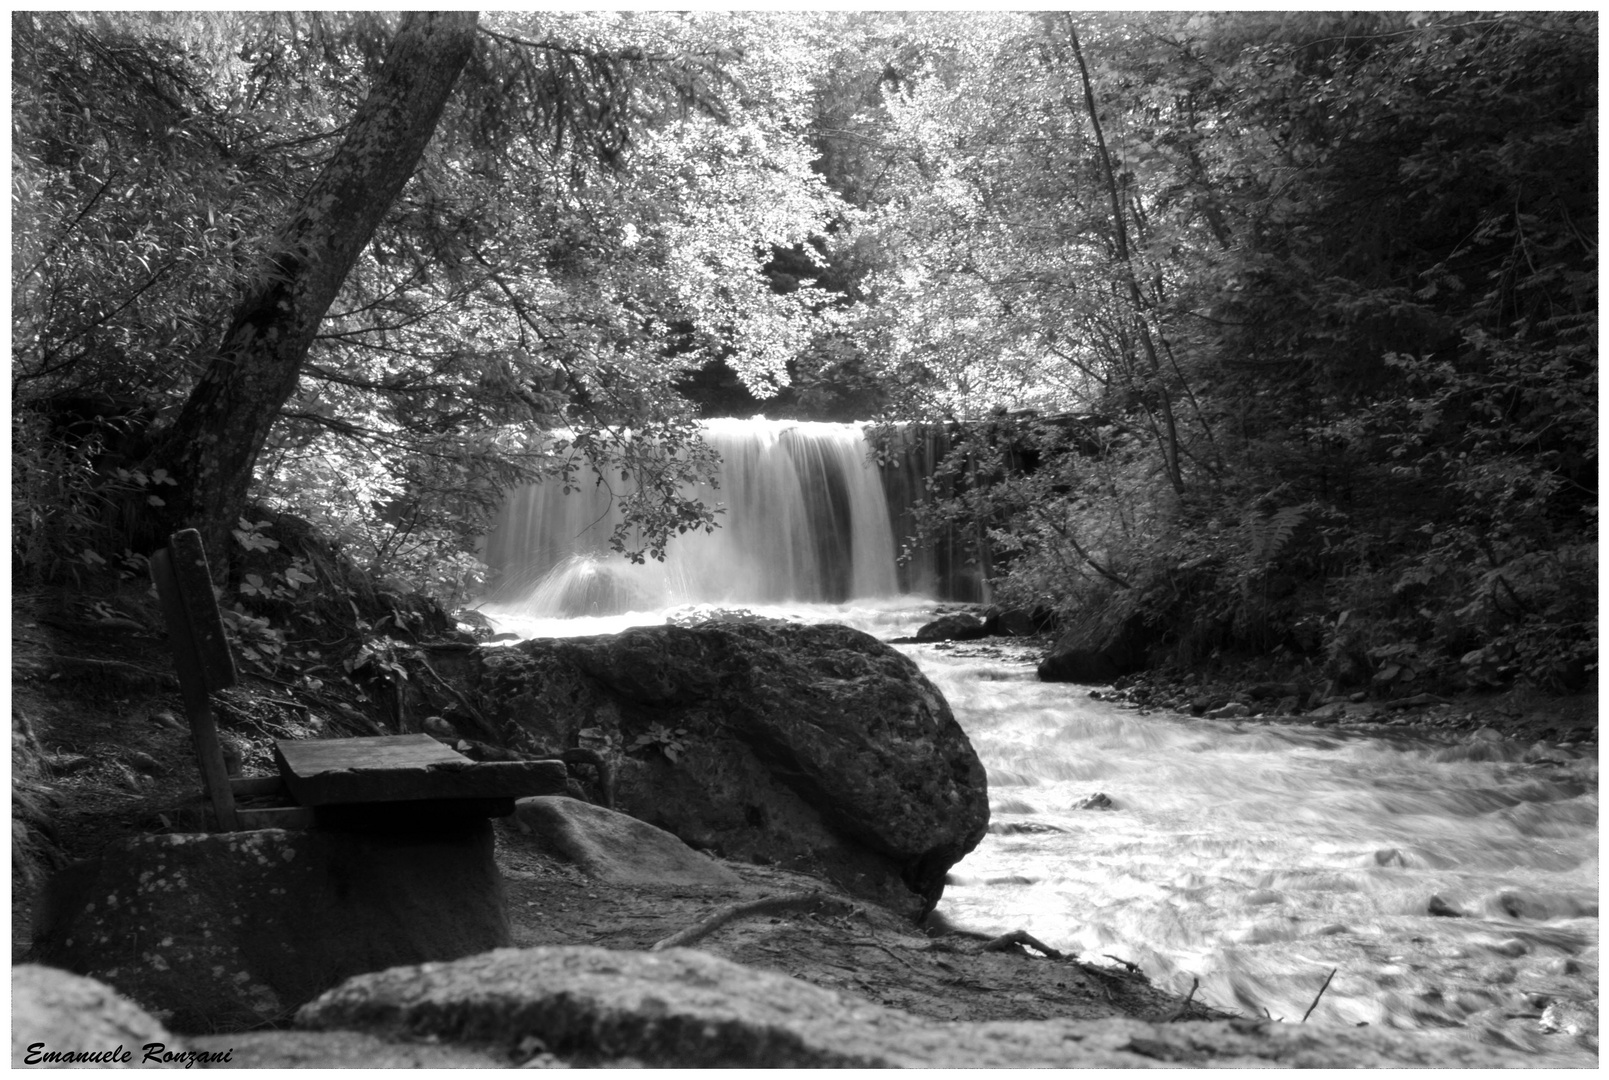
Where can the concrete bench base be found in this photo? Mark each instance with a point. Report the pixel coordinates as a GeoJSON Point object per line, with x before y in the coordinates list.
{"type": "Point", "coordinates": [232, 930]}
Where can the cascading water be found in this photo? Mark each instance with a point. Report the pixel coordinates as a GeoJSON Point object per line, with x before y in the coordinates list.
{"type": "Point", "coordinates": [807, 520]}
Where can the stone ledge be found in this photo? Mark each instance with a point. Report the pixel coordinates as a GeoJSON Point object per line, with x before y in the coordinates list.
{"type": "Point", "coordinates": [684, 1008]}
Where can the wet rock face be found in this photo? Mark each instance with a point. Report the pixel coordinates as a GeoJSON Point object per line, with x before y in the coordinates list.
{"type": "Point", "coordinates": [813, 747]}
{"type": "Point", "coordinates": [232, 930]}
{"type": "Point", "coordinates": [685, 1009]}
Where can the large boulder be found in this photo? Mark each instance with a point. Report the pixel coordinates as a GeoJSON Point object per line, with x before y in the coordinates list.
{"type": "Point", "coordinates": [818, 748]}
{"type": "Point", "coordinates": [681, 1008]}
{"type": "Point", "coordinates": [1098, 647]}
{"type": "Point", "coordinates": [235, 930]}
{"type": "Point", "coordinates": [61, 1019]}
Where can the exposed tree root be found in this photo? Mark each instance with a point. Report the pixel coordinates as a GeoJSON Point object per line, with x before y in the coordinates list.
{"type": "Point", "coordinates": [770, 905]}
{"type": "Point", "coordinates": [162, 678]}
{"type": "Point", "coordinates": [879, 945]}
{"type": "Point", "coordinates": [1184, 1010]}
{"type": "Point", "coordinates": [1009, 942]}
{"type": "Point", "coordinates": [581, 755]}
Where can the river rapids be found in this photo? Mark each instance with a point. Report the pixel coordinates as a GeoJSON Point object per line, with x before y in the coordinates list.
{"type": "Point", "coordinates": [1247, 861]}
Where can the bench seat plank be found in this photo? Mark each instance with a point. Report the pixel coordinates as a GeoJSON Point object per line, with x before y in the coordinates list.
{"type": "Point", "coordinates": [403, 768]}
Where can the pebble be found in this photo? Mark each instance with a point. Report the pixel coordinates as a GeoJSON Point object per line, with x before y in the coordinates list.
{"type": "Point", "coordinates": [144, 762]}
{"type": "Point", "coordinates": [164, 718]}
{"type": "Point", "coordinates": [1542, 753]}
{"type": "Point", "coordinates": [1566, 1017]}
{"type": "Point", "coordinates": [67, 764]}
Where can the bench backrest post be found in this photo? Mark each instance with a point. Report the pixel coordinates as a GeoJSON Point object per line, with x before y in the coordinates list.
{"type": "Point", "coordinates": [200, 654]}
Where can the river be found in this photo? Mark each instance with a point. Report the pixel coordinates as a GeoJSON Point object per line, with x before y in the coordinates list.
{"type": "Point", "coordinates": [1251, 860]}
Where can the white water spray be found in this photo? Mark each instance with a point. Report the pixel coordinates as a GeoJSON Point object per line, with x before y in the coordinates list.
{"type": "Point", "coordinates": [805, 520]}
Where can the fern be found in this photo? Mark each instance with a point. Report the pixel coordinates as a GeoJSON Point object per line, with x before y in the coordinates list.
{"type": "Point", "coordinates": [1269, 533]}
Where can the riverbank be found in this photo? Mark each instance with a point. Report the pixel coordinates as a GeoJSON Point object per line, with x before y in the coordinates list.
{"type": "Point", "coordinates": [1540, 722]}
{"type": "Point", "coordinates": [100, 752]}
{"type": "Point", "coordinates": [119, 764]}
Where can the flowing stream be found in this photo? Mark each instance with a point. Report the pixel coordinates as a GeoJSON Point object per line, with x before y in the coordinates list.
{"type": "Point", "coordinates": [1257, 858]}
{"type": "Point", "coordinates": [1253, 859]}
{"type": "Point", "coordinates": [1245, 861]}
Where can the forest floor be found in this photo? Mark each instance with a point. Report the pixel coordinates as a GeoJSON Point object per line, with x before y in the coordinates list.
{"type": "Point", "coordinates": [101, 750]}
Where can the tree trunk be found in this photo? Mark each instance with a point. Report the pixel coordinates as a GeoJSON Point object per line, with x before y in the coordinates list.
{"type": "Point", "coordinates": [1156, 381]}
{"type": "Point", "coordinates": [213, 445]}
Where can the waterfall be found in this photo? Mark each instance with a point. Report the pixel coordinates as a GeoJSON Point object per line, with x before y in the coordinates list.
{"type": "Point", "coordinates": [806, 519]}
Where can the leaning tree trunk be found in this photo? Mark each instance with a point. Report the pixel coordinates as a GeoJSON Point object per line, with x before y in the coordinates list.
{"type": "Point", "coordinates": [212, 447]}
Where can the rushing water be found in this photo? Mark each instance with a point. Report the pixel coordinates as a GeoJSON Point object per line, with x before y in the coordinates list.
{"type": "Point", "coordinates": [1258, 858]}
{"type": "Point", "coordinates": [1245, 860]}
{"type": "Point", "coordinates": [1255, 859]}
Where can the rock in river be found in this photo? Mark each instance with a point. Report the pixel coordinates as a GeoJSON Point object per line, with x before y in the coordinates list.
{"type": "Point", "coordinates": [960, 626]}
{"type": "Point", "coordinates": [818, 748]}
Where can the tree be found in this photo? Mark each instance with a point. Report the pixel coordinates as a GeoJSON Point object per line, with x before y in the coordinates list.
{"type": "Point", "coordinates": [213, 445]}
{"type": "Point", "coordinates": [588, 220]}
{"type": "Point", "coordinates": [1331, 265]}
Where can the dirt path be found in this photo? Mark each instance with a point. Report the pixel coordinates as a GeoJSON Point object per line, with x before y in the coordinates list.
{"type": "Point", "coordinates": [868, 952]}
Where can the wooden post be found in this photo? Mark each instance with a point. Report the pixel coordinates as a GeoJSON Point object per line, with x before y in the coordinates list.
{"type": "Point", "coordinates": [200, 654]}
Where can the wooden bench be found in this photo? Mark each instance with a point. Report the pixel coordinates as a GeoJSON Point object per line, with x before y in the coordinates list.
{"type": "Point", "coordinates": [402, 780]}
{"type": "Point", "coordinates": [405, 780]}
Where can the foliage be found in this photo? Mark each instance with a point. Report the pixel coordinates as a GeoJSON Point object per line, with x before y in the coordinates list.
{"type": "Point", "coordinates": [1353, 245]}
{"type": "Point", "coordinates": [1278, 327]}
{"type": "Point", "coordinates": [668, 741]}
{"type": "Point", "coordinates": [588, 223]}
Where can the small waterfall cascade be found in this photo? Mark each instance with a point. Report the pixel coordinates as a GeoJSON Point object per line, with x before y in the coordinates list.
{"type": "Point", "coordinates": [806, 519]}
{"type": "Point", "coordinates": [957, 565]}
